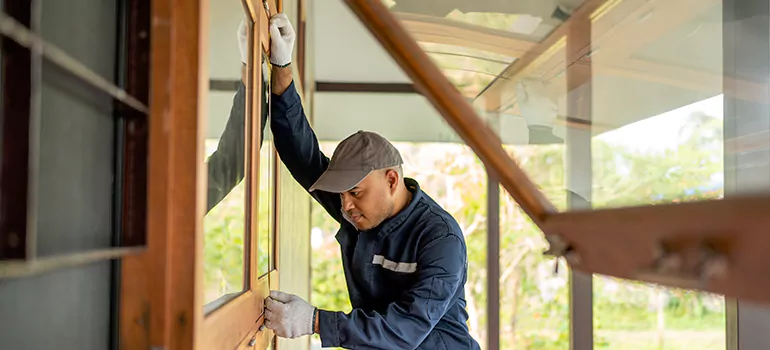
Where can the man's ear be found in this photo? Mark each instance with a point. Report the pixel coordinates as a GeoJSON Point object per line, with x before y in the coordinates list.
{"type": "Point", "coordinates": [392, 177]}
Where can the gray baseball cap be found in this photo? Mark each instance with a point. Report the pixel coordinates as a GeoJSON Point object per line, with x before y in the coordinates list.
{"type": "Point", "coordinates": [355, 158]}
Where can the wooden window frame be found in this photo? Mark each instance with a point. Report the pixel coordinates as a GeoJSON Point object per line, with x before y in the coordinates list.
{"type": "Point", "coordinates": [600, 241]}
{"type": "Point", "coordinates": [237, 323]}
{"type": "Point", "coordinates": [24, 51]}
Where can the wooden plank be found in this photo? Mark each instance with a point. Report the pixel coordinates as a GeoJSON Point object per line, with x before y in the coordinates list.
{"type": "Point", "coordinates": [452, 106]}
{"type": "Point", "coordinates": [143, 286]}
{"type": "Point", "coordinates": [625, 242]}
{"type": "Point", "coordinates": [189, 77]}
{"type": "Point", "coordinates": [227, 326]}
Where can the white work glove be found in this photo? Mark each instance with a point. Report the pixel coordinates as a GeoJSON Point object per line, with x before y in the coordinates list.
{"type": "Point", "coordinates": [281, 40]}
{"type": "Point", "coordinates": [288, 315]}
{"type": "Point", "coordinates": [243, 40]}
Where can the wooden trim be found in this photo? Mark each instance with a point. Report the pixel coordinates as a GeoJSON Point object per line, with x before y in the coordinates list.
{"type": "Point", "coordinates": [407, 88]}
{"type": "Point", "coordinates": [622, 242]}
{"type": "Point", "coordinates": [227, 326]}
{"type": "Point", "coordinates": [452, 106]}
{"type": "Point", "coordinates": [15, 138]}
{"type": "Point", "coordinates": [160, 296]}
{"type": "Point", "coordinates": [450, 32]}
{"type": "Point", "coordinates": [135, 132]}
{"type": "Point", "coordinates": [143, 286]}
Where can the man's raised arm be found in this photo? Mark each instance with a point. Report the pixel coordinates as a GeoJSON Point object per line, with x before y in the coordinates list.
{"type": "Point", "coordinates": [295, 141]}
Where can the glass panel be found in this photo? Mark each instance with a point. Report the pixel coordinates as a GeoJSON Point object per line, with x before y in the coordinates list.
{"type": "Point", "coordinates": [225, 256]}
{"type": "Point", "coordinates": [643, 78]}
{"type": "Point", "coordinates": [266, 224]}
{"type": "Point", "coordinates": [469, 69]}
{"type": "Point", "coordinates": [89, 35]}
{"type": "Point", "coordinates": [76, 165]}
{"type": "Point", "coordinates": [533, 19]}
{"type": "Point", "coordinates": [534, 301]}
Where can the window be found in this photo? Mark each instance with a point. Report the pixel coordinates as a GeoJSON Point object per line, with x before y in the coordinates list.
{"type": "Point", "coordinates": [74, 133]}
{"type": "Point", "coordinates": [239, 228]}
{"type": "Point", "coordinates": [624, 130]}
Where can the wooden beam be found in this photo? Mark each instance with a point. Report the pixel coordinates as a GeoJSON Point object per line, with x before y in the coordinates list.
{"type": "Point", "coordinates": [627, 242]}
{"type": "Point", "coordinates": [450, 32]}
{"type": "Point", "coordinates": [160, 304]}
{"type": "Point", "coordinates": [452, 106]}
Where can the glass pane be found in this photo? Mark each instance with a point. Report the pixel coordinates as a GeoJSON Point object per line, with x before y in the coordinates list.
{"type": "Point", "coordinates": [634, 315]}
{"type": "Point", "coordinates": [89, 35]}
{"type": "Point", "coordinates": [225, 256]}
{"type": "Point", "coordinates": [645, 81]}
{"type": "Point", "coordinates": [266, 223]}
{"type": "Point", "coordinates": [469, 69]}
{"type": "Point", "coordinates": [534, 301]}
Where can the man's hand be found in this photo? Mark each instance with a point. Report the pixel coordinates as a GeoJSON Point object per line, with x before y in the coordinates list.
{"type": "Point", "coordinates": [288, 315]}
{"type": "Point", "coordinates": [282, 37]}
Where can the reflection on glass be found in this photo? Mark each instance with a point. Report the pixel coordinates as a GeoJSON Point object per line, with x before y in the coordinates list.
{"type": "Point", "coordinates": [532, 18]}
{"type": "Point", "coordinates": [647, 92]}
{"type": "Point", "coordinates": [224, 225]}
{"type": "Point", "coordinates": [266, 223]}
{"type": "Point", "coordinates": [469, 69]}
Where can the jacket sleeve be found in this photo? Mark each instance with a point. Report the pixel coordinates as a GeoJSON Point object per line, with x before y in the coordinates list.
{"type": "Point", "coordinates": [298, 147]}
{"type": "Point", "coordinates": [405, 324]}
{"type": "Point", "coordinates": [226, 164]}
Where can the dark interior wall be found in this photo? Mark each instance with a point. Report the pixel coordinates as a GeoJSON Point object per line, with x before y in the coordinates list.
{"type": "Point", "coordinates": [69, 308]}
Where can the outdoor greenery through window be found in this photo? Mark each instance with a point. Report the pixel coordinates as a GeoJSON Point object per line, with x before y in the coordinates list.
{"type": "Point", "coordinates": [534, 302]}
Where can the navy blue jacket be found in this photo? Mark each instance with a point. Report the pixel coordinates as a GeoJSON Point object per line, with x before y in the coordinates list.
{"type": "Point", "coordinates": [405, 277]}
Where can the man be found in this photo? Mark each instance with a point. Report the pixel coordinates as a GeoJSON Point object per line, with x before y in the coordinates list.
{"type": "Point", "coordinates": [404, 257]}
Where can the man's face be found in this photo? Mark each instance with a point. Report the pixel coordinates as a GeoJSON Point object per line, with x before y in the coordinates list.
{"type": "Point", "coordinates": [373, 200]}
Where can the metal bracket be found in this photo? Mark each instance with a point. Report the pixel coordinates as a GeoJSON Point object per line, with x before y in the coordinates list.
{"type": "Point", "coordinates": [559, 248]}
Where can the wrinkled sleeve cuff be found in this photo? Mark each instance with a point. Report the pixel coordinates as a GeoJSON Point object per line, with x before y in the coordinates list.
{"type": "Point", "coordinates": [329, 328]}
{"type": "Point", "coordinates": [288, 98]}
